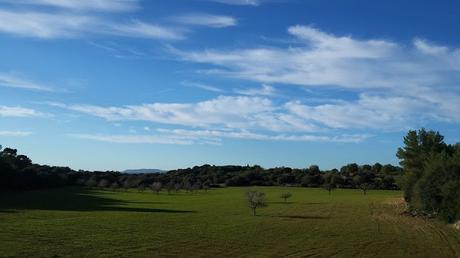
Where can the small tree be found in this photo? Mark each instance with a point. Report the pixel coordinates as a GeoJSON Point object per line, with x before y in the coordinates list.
{"type": "Point", "coordinates": [156, 187]}
{"type": "Point", "coordinates": [329, 187]}
{"type": "Point", "coordinates": [104, 183]}
{"type": "Point", "coordinates": [255, 200]}
{"type": "Point", "coordinates": [141, 187]}
{"type": "Point", "coordinates": [170, 187]}
{"type": "Point", "coordinates": [114, 186]}
{"type": "Point", "coordinates": [177, 187]}
{"type": "Point", "coordinates": [206, 186]}
{"type": "Point", "coordinates": [126, 185]}
{"type": "Point", "coordinates": [364, 187]}
{"type": "Point", "coordinates": [285, 196]}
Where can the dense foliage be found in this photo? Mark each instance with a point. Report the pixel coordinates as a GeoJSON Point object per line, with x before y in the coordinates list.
{"type": "Point", "coordinates": [18, 172]}
{"type": "Point", "coordinates": [431, 181]}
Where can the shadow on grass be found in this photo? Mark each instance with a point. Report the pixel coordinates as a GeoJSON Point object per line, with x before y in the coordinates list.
{"type": "Point", "coordinates": [301, 217]}
{"type": "Point", "coordinates": [314, 203]}
{"type": "Point", "coordinates": [71, 199]}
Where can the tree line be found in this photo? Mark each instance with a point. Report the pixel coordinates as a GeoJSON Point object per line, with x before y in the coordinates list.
{"type": "Point", "coordinates": [18, 172]}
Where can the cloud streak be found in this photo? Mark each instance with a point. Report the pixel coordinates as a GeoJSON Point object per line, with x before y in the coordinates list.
{"type": "Point", "coordinates": [84, 5]}
{"type": "Point", "coordinates": [15, 133]}
{"type": "Point", "coordinates": [12, 81]}
{"type": "Point", "coordinates": [204, 19]}
{"type": "Point", "coordinates": [7, 111]}
{"type": "Point", "coordinates": [54, 25]}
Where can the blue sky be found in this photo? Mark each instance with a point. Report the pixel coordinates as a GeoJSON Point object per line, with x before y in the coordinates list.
{"type": "Point", "coordinates": [117, 84]}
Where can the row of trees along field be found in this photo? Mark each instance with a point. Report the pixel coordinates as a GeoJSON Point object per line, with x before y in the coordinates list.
{"type": "Point", "coordinates": [431, 181]}
{"type": "Point", "coordinates": [19, 173]}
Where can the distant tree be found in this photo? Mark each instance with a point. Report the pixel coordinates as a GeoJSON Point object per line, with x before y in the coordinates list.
{"type": "Point", "coordinates": [141, 187]}
{"type": "Point", "coordinates": [91, 182]}
{"type": "Point", "coordinates": [170, 187]}
{"type": "Point", "coordinates": [330, 182]}
{"type": "Point", "coordinates": [115, 185]}
{"type": "Point", "coordinates": [188, 186]}
{"type": "Point", "coordinates": [126, 185]}
{"type": "Point", "coordinates": [196, 186]}
{"type": "Point", "coordinates": [156, 187]}
{"type": "Point", "coordinates": [206, 186]}
{"type": "Point", "coordinates": [329, 187]}
{"type": "Point", "coordinates": [104, 183]}
{"type": "Point", "coordinates": [285, 196]}
{"type": "Point", "coordinates": [314, 169]}
{"type": "Point", "coordinates": [177, 187]}
{"type": "Point", "coordinates": [255, 200]}
{"type": "Point", "coordinates": [364, 187]}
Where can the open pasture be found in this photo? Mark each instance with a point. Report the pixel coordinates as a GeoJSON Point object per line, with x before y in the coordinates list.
{"type": "Point", "coordinates": [83, 222]}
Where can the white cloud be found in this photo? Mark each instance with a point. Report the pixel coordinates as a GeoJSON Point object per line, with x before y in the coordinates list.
{"type": "Point", "coordinates": [214, 137]}
{"type": "Point", "coordinates": [265, 90]}
{"type": "Point", "coordinates": [238, 2]}
{"type": "Point", "coordinates": [235, 112]}
{"type": "Point", "coordinates": [6, 111]}
{"type": "Point", "coordinates": [15, 133]}
{"type": "Point", "coordinates": [84, 5]}
{"type": "Point", "coordinates": [398, 86]}
{"type": "Point", "coordinates": [13, 81]}
{"type": "Point", "coordinates": [147, 139]}
{"type": "Point", "coordinates": [428, 48]}
{"type": "Point", "coordinates": [321, 59]}
{"type": "Point", "coordinates": [247, 135]}
{"type": "Point", "coordinates": [68, 25]}
{"type": "Point", "coordinates": [145, 30]}
{"type": "Point", "coordinates": [202, 86]}
{"type": "Point", "coordinates": [209, 20]}
{"type": "Point", "coordinates": [45, 25]}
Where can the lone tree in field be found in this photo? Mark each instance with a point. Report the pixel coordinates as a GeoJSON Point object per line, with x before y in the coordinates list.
{"type": "Point", "coordinates": [141, 187]}
{"type": "Point", "coordinates": [285, 196]}
{"type": "Point", "coordinates": [177, 187]}
{"type": "Point", "coordinates": [329, 187]}
{"type": "Point", "coordinates": [156, 187]}
{"type": "Point", "coordinates": [364, 187]}
{"type": "Point", "coordinates": [330, 182]}
{"type": "Point", "coordinates": [170, 187]}
{"type": "Point", "coordinates": [255, 200]}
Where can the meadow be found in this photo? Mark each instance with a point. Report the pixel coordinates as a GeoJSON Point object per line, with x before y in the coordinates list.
{"type": "Point", "coordinates": [92, 222]}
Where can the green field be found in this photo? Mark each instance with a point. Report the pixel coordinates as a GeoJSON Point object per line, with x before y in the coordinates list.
{"type": "Point", "coordinates": [79, 222]}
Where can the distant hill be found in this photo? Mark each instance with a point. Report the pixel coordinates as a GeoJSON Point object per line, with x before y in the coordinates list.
{"type": "Point", "coordinates": [143, 171]}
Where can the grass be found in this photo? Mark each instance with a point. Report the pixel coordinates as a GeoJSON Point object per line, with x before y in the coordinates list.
{"type": "Point", "coordinates": [82, 222]}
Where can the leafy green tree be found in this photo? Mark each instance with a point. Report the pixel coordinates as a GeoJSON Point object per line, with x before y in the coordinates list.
{"type": "Point", "coordinates": [418, 148]}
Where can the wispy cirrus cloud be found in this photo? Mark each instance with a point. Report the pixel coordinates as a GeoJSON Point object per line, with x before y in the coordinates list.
{"type": "Point", "coordinates": [68, 25]}
{"type": "Point", "coordinates": [202, 86]}
{"type": "Point", "coordinates": [14, 81]}
{"type": "Point", "coordinates": [134, 139]}
{"type": "Point", "coordinates": [322, 59]}
{"type": "Point", "coordinates": [265, 90]}
{"type": "Point", "coordinates": [83, 5]}
{"type": "Point", "coordinates": [15, 133]}
{"type": "Point", "coordinates": [7, 111]}
{"type": "Point", "coordinates": [214, 137]}
{"type": "Point", "coordinates": [238, 2]}
{"type": "Point", "coordinates": [205, 19]}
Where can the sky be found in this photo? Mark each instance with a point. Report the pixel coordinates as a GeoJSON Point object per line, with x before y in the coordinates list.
{"type": "Point", "coordinates": [123, 84]}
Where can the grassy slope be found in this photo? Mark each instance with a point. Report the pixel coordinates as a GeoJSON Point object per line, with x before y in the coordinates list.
{"type": "Point", "coordinates": [74, 222]}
